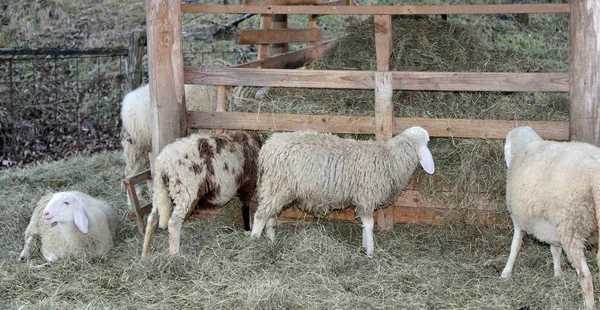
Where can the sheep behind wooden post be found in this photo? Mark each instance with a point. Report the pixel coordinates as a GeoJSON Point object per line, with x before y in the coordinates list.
{"type": "Point", "coordinates": [136, 136]}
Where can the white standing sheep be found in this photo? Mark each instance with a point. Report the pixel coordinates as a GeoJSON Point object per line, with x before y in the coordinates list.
{"type": "Point", "coordinates": [136, 136]}
{"type": "Point", "coordinates": [553, 193]}
{"type": "Point", "coordinates": [201, 169]}
{"type": "Point", "coordinates": [71, 224]}
{"type": "Point", "coordinates": [135, 115]}
{"type": "Point", "coordinates": [322, 172]}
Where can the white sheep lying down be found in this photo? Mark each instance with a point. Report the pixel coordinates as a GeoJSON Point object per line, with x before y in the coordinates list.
{"type": "Point", "coordinates": [553, 193]}
{"type": "Point", "coordinates": [201, 168]}
{"type": "Point", "coordinates": [71, 224]}
{"type": "Point", "coordinates": [322, 172]}
{"type": "Point", "coordinates": [136, 136]}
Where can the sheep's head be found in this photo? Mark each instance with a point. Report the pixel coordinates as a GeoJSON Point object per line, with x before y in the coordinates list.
{"type": "Point", "coordinates": [518, 139]}
{"type": "Point", "coordinates": [421, 137]}
{"type": "Point", "coordinates": [65, 207]}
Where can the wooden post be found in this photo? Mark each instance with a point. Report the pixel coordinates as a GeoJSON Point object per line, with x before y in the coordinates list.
{"type": "Point", "coordinates": [279, 22]}
{"type": "Point", "coordinates": [384, 109]}
{"type": "Point", "coordinates": [263, 49]}
{"type": "Point", "coordinates": [585, 71]}
{"type": "Point", "coordinates": [165, 68]}
{"type": "Point", "coordinates": [133, 63]}
{"type": "Point", "coordinates": [221, 103]}
{"type": "Point", "coordinates": [312, 23]}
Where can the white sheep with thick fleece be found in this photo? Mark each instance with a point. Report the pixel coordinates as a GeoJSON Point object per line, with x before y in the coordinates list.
{"type": "Point", "coordinates": [71, 224]}
{"type": "Point", "coordinates": [322, 172]}
{"type": "Point", "coordinates": [136, 136]}
{"type": "Point", "coordinates": [553, 193]}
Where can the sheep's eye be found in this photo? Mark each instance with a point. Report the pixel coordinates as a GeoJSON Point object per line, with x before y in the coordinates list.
{"type": "Point", "coordinates": [66, 203]}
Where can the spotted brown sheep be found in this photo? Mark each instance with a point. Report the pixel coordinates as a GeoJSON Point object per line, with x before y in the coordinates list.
{"type": "Point", "coordinates": [197, 169]}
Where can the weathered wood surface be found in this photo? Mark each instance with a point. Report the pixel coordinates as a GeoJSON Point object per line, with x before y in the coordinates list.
{"type": "Point", "coordinates": [165, 69]}
{"type": "Point", "coordinates": [271, 36]}
{"type": "Point", "coordinates": [456, 128]}
{"type": "Point", "coordinates": [280, 21]}
{"type": "Point", "coordinates": [384, 90]}
{"type": "Point", "coordinates": [585, 71]}
{"type": "Point", "coordinates": [290, 60]}
{"type": "Point", "coordinates": [378, 10]}
{"type": "Point", "coordinates": [443, 81]}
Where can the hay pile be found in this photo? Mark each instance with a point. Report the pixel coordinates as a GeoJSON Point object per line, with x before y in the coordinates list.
{"type": "Point", "coordinates": [471, 169]}
{"type": "Point", "coordinates": [313, 265]}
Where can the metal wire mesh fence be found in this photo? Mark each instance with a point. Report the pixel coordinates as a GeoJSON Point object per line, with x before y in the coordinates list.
{"type": "Point", "coordinates": [58, 103]}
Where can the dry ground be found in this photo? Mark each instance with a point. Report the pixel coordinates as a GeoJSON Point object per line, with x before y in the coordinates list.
{"type": "Point", "coordinates": [312, 265]}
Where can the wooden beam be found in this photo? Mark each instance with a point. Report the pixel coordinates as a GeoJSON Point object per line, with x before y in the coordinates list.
{"type": "Point", "coordinates": [264, 49]}
{"type": "Point", "coordinates": [165, 69]}
{"type": "Point", "coordinates": [443, 81]}
{"type": "Point", "coordinates": [585, 71]}
{"type": "Point", "coordinates": [134, 61]}
{"type": "Point", "coordinates": [271, 36]}
{"type": "Point", "coordinates": [384, 126]}
{"type": "Point", "coordinates": [284, 2]}
{"type": "Point", "coordinates": [221, 103]}
{"type": "Point", "coordinates": [455, 128]}
{"type": "Point", "coordinates": [280, 21]}
{"type": "Point", "coordinates": [378, 10]}
{"type": "Point", "coordinates": [384, 90]}
{"type": "Point", "coordinates": [290, 60]}
{"type": "Point", "coordinates": [383, 41]}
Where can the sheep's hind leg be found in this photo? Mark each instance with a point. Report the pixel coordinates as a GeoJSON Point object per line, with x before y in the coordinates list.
{"type": "Point", "coordinates": [515, 247]}
{"type": "Point", "coordinates": [368, 223]}
{"type": "Point", "coordinates": [556, 251]}
{"type": "Point", "coordinates": [270, 228]}
{"type": "Point", "coordinates": [150, 229]}
{"type": "Point", "coordinates": [175, 223]}
{"type": "Point", "coordinates": [576, 256]}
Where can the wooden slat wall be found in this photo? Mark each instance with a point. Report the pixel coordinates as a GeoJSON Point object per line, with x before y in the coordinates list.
{"type": "Point", "coordinates": [443, 81]}
{"type": "Point", "coordinates": [378, 10]}
{"type": "Point", "coordinates": [456, 128]}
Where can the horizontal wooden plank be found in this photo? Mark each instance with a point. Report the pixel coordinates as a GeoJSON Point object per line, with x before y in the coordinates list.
{"type": "Point", "coordinates": [481, 81]}
{"type": "Point", "coordinates": [434, 214]}
{"type": "Point", "coordinates": [442, 81]}
{"type": "Point", "coordinates": [279, 77]}
{"type": "Point", "coordinates": [456, 128]}
{"type": "Point", "coordinates": [284, 2]}
{"type": "Point", "coordinates": [138, 178]}
{"type": "Point", "coordinates": [272, 36]}
{"type": "Point", "coordinates": [378, 10]}
{"type": "Point", "coordinates": [290, 60]}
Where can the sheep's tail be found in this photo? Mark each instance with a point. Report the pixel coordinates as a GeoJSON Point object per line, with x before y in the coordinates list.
{"type": "Point", "coordinates": [161, 201]}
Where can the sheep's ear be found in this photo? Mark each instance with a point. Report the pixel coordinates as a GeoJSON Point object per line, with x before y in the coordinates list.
{"type": "Point", "coordinates": [426, 159]}
{"type": "Point", "coordinates": [80, 219]}
{"type": "Point", "coordinates": [507, 152]}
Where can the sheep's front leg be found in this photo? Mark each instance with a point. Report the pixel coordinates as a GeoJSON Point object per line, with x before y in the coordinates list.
{"type": "Point", "coordinates": [175, 223]}
{"type": "Point", "coordinates": [150, 229]}
{"type": "Point", "coordinates": [368, 223]}
{"type": "Point", "coordinates": [515, 247]}
{"type": "Point", "coordinates": [26, 247]}
{"type": "Point", "coordinates": [556, 251]}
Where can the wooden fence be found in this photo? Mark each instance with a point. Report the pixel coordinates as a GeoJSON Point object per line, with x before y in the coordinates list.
{"type": "Point", "coordinates": [167, 77]}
